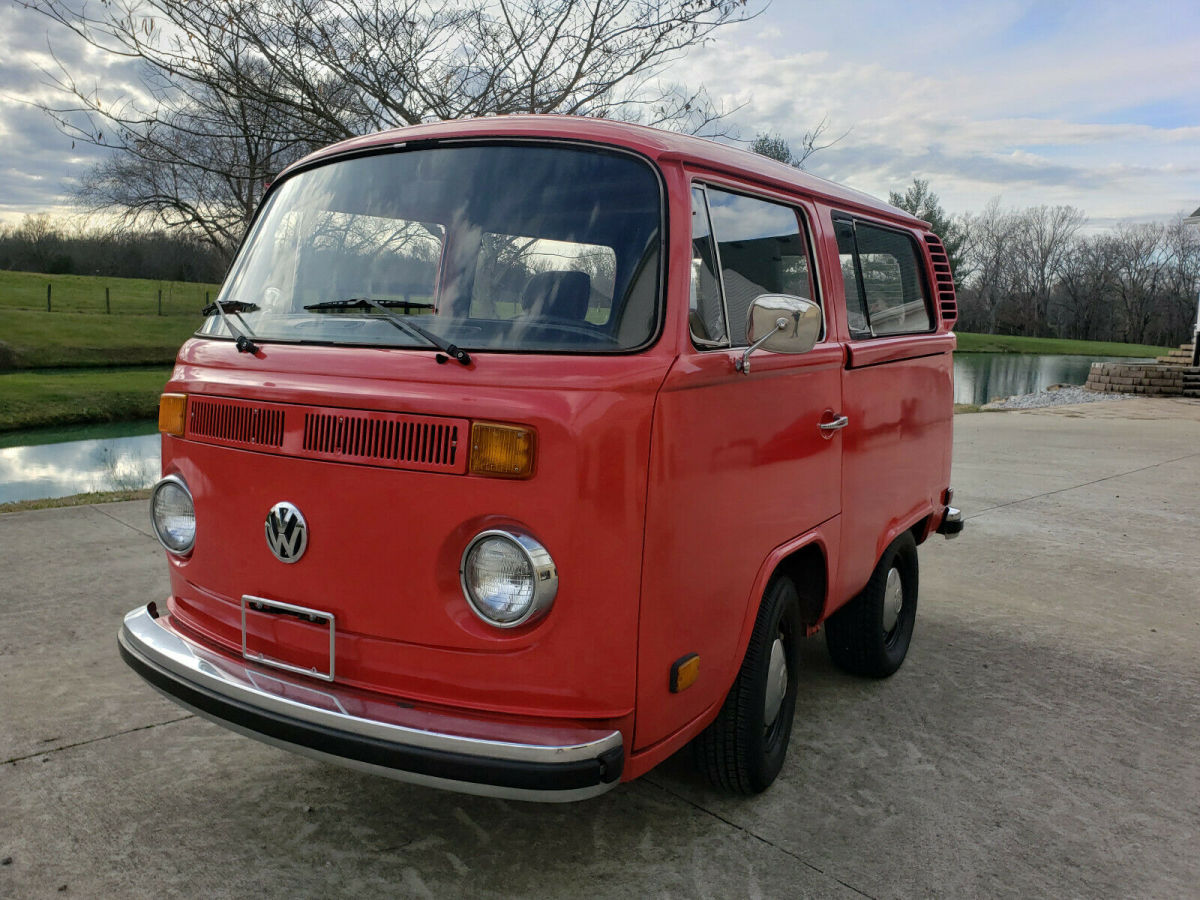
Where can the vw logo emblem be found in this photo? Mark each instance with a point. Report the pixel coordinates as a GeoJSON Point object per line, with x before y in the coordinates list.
{"type": "Point", "coordinates": [287, 532]}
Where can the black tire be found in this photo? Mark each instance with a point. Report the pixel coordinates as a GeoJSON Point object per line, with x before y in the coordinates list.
{"type": "Point", "coordinates": [741, 751]}
{"type": "Point", "coordinates": [858, 635]}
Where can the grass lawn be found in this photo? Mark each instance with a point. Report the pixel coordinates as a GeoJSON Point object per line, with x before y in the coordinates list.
{"type": "Point", "coordinates": [77, 331]}
{"type": "Point", "coordinates": [85, 293]}
{"type": "Point", "coordinates": [999, 343]}
{"type": "Point", "coordinates": [31, 339]}
{"type": "Point", "coordinates": [41, 399]}
{"type": "Point", "coordinates": [74, 500]}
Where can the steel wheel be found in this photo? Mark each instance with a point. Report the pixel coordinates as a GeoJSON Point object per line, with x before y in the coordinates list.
{"type": "Point", "coordinates": [871, 634]}
{"type": "Point", "coordinates": [893, 603]}
{"type": "Point", "coordinates": [744, 748]}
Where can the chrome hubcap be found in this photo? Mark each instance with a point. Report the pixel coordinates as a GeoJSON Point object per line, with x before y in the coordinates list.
{"type": "Point", "coordinates": [893, 600]}
{"type": "Point", "coordinates": [777, 679]}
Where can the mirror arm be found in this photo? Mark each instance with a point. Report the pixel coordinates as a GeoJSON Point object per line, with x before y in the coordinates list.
{"type": "Point", "coordinates": [743, 363]}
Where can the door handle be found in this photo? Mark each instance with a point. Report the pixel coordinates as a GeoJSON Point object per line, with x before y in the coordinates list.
{"type": "Point", "coordinates": [836, 425]}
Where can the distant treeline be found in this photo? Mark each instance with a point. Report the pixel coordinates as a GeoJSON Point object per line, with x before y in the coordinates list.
{"type": "Point", "coordinates": [53, 247]}
{"type": "Point", "coordinates": [1038, 272]}
{"type": "Point", "coordinates": [1019, 271]}
{"type": "Point", "coordinates": [1033, 272]}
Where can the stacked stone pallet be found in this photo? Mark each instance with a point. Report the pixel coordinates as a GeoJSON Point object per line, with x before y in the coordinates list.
{"type": "Point", "coordinates": [1172, 376]}
{"type": "Point", "coordinates": [1136, 379]}
{"type": "Point", "coordinates": [1180, 357]}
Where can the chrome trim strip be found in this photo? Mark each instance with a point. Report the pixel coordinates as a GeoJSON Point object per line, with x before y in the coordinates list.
{"type": "Point", "coordinates": [151, 642]}
{"type": "Point", "coordinates": [545, 576]}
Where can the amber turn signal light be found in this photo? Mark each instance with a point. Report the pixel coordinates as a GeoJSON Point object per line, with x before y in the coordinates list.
{"type": "Point", "coordinates": [501, 451]}
{"type": "Point", "coordinates": [172, 414]}
{"type": "Point", "coordinates": [684, 672]}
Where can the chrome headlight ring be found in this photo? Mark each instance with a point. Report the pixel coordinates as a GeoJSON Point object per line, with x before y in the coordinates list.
{"type": "Point", "coordinates": [507, 577]}
{"type": "Point", "coordinates": [171, 525]}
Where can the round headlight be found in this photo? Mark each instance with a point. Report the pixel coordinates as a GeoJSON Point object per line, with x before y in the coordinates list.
{"type": "Point", "coordinates": [173, 515]}
{"type": "Point", "coordinates": [508, 578]}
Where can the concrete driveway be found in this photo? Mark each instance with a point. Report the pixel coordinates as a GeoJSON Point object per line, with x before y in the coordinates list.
{"type": "Point", "coordinates": [1043, 737]}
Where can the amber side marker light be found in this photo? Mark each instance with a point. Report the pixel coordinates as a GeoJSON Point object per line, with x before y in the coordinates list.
{"type": "Point", "coordinates": [501, 451]}
{"type": "Point", "coordinates": [172, 414]}
{"type": "Point", "coordinates": [684, 672]}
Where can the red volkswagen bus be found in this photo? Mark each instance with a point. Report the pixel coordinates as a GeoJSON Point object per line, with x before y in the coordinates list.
{"type": "Point", "coordinates": [517, 453]}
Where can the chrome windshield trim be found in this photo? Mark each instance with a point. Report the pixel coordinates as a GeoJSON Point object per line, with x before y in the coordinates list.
{"type": "Point", "coordinates": [149, 640]}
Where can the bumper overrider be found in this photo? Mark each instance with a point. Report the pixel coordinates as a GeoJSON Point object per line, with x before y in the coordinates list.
{"type": "Point", "coordinates": [952, 523]}
{"type": "Point", "coordinates": [372, 732]}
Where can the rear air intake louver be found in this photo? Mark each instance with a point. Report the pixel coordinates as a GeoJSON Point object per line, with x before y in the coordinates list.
{"type": "Point", "coordinates": [236, 422]}
{"type": "Point", "coordinates": [944, 278]}
{"type": "Point", "coordinates": [406, 441]}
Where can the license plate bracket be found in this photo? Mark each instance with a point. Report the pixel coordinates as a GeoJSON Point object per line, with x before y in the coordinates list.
{"type": "Point", "coordinates": [277, 607]}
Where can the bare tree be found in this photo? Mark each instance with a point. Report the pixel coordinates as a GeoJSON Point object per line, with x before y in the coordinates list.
{"type": "Point", "coordinates": [1182, 243]}
{"type": "Point", "coordinates": [773, 146]}
{"type": "Point", "coordinates": [1082, 307]}
{"type": "Point", "coordinates": [235, 90]}
{"type": "Point", "coordinates": [39, 239]}
{"type": "Point", "coordinates": [1141, 279]}
{"type": "Point", "coordinates": [1042, 242]}
{"type": "Point", "coordinates": [992, 237]}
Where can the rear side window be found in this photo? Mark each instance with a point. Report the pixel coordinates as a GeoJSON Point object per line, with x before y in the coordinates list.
{"type": "Point", "coordinates": [885, 293]}
{"type": "Point", "coordinates": [760, 249]}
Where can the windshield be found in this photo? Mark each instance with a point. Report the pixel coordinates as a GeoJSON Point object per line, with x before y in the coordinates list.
{"type": "Point", "coordinates": [487, 247]}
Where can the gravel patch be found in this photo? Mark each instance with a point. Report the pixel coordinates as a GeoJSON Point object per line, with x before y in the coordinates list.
{"type": "Point", "coordinates": [1055, 395]}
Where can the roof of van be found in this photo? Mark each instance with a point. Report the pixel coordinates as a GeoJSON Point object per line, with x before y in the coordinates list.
{"type": "Point", "coordinates": [653, 142]}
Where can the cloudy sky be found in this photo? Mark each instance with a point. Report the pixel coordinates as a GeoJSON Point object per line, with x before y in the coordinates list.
{"type": "Point", "coordinates": [1091, 104]}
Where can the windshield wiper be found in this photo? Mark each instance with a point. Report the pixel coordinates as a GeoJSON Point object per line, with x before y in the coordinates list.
{"type": "Point", "coordinates": [233, 306]}
{"type": "Point", "coordinates": [242, 342]}
{"type": "Point", "coordinates": [451, 350]}
{"type": "Point", "coordinates": [363, 303]}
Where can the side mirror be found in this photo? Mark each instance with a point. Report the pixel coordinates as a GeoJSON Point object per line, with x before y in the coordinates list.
{"type": "Point", "coordinates": [780, 323]}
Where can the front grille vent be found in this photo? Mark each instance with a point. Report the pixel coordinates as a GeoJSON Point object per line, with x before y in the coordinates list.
{"type": "Point", "coordinates": [944, 278]}
{"type": "Point", "coordinates": [361, 437]}
{"type": "Point", "coordinates": [408, 440]}
{"type": "Point", "coordinates": [236, 422]}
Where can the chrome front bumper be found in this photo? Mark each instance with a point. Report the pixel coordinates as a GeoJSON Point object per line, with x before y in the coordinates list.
{"type": "Point", "coordinates": [372, 732]}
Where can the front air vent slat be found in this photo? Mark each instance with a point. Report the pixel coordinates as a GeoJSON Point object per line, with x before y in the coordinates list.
{"type": "Point", "coordinates": [391, 440]}
{"type": "Point", "coordinates": [235, 422]}
{"type": "Point", "coordinates": [411, 442]}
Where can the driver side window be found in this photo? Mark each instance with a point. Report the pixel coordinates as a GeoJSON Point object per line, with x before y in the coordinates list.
{"type": "Point", "coordinates": [759, 249]}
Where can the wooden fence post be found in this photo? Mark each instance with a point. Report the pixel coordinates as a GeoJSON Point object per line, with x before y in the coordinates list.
{"type": "Point", "coordinates": [160, 301]}
{"type": "Point", "coordinates": [47, 297]}
{"type": "Point", "coordinates": [107, 306]}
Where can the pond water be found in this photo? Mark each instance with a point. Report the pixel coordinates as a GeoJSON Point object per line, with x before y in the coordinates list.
{"type": "Point", "coordinates": [980, 377]}
{"type": "Point", "coordinates": [125, 457]}
{"type": "Point", "coordinates": [75, 467]}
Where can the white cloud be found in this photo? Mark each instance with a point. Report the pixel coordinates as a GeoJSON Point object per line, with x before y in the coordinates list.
{"type": "Point", "coordinates": [1078, 112]}
{"type": "Point", "coordinates": [1087, 103]}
